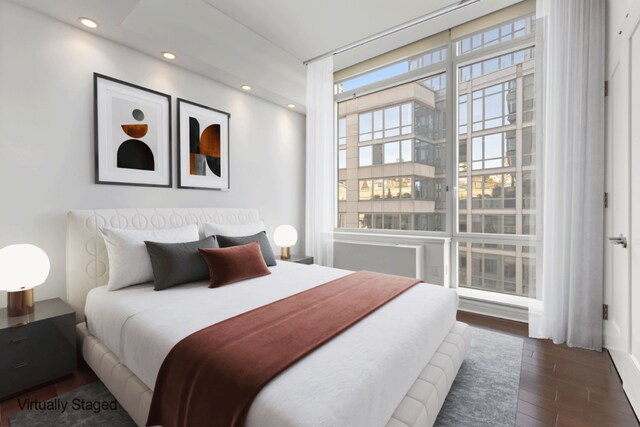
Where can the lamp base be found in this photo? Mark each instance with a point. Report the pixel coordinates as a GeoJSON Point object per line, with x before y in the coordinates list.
{"type": "Point", "coordinates": [20, 303]}
{"type": "Point", "coordinates": [285, 253]}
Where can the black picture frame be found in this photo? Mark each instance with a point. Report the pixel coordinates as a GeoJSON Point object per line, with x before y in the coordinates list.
{"type": "Point", "coordinates": [97, 78]}
{"type": "Point", "coordinates": [182, 151]}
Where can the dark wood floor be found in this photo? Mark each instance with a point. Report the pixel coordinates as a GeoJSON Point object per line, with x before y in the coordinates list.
{"type": "Point", "coordinates": [559, 386]}
{"type": "Point", "coordinates": [562, 386]}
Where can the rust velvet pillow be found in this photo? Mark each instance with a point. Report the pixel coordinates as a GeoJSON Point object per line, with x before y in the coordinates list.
{"type": "Point", "coordinates": [230, 265]}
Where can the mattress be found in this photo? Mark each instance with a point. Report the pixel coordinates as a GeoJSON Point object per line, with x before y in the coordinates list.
{"type": "Point", "coordinates": [356, 379]}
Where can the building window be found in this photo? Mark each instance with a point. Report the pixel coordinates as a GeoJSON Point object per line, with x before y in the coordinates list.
{"type": "Point", "coordinates": [342, 219]}
{"type": "Point", "coordinates": [528, 147]}
{"type": "Point", "coordinates": [366, 189]}
{"type": "Point", "coordinates": [528, 190]}
{"type": "Point", "coordinates": [436, 83]}
{"type": "Point", "coordinates": [342, 190]}
{"type": "Point", "coordinates": [462, 114]}
{"type": "Point", "coordinates": [528, 94]}
{"type": "Point", "coordinates": [342, 159]}
{"type": "Point", "coordinates": [494, 106]}
{"type": "Point", "coordinates": [366, 156]}
{"type": "Point", "coordinates": [385, 123]}
{"type": "Point", "coordinates": [342, 131]}
{"type": "Point", "coordinates": [493, 191]}
{"type": "Point", "coordinates": [392, 188]}
{"type": "Point", "coordinates": [493, 224]}
{"type": "Point", "coordinates": [496, 150]}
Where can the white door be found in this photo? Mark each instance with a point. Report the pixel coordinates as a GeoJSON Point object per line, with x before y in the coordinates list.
{"type": "Point", "coordinates": [622, 264]}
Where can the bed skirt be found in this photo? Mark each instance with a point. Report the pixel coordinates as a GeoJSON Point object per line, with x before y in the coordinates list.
{"type": "Point", "coordinates": [419, 407]}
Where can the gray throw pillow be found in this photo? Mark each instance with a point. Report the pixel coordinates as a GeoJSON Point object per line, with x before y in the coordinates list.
{"type": "Point", "coordinates": [261, 238]}
{"type": "Point", "coordinates": [177, 263]}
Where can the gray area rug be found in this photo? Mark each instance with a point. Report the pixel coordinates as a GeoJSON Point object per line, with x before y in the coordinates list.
{"type": "Point", "coordinates": [485, 392]}
{"type": "Point", "coordinates": [91, 405]}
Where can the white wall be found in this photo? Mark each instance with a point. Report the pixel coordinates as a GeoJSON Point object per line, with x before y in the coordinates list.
{"type": "Point", "coordinates": [47, 146]}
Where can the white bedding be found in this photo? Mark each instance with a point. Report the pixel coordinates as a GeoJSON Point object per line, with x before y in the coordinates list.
{"type": "Point", "coordinates": [356, 379]}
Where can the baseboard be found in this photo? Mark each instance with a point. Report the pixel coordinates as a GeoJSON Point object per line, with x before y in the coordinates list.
{"type": "Point", "coordinates": [494, 309]}
{"type": "Point", "coordinates": [629, 370]}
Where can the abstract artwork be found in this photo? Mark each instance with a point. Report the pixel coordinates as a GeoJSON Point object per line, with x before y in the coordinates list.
{"type": "Point", "coordinates": [203, 147]}
{"type": "Point", "coordinates": [132, 134]}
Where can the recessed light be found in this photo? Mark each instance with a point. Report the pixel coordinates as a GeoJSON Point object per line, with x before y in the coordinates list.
{"type": "Point", "coordinates": [169, 55]}
{"type": "Point", "coordinates": [87, 22]}
{"type": "Point", "coordinates": [291, 105]}
{"type": "Point", "coordinates": [245, 87]}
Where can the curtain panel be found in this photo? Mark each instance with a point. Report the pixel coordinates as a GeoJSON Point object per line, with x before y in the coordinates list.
{"type": "Point", "coordinates": [320, 162]}
{"type": "Point", "coordinates": [571, 122]}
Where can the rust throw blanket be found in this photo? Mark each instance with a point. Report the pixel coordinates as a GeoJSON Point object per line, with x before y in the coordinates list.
{"type": "Point", "coordinates": [211, 377]}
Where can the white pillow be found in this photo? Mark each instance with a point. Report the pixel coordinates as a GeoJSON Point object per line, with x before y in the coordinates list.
{"type": "Point", "coordinates": [129, 262]}
{"type": "Point", "coordinates": [235, 230]}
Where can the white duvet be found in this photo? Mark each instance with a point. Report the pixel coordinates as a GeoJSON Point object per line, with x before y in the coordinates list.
{"type": "Point", "coordinates": [356, 379]}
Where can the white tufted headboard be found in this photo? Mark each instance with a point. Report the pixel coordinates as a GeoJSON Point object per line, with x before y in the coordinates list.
{"type": "Point", "coordinates": [87, 262]}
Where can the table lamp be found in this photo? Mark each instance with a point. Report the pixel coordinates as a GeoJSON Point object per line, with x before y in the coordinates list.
{"type": "Point", "coordinates": [22, 267]}
{"type": "Point", "coordinates": [285, 236]}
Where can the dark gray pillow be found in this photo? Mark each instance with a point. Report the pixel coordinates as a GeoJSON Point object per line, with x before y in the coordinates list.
{"type": "Point", "coordinates": [261, 238]}
{"type": "Point", "coordinates": [177, 263]}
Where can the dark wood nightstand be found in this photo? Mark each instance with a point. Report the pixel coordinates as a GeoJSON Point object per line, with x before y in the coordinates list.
{"type": "Point", "coordinates": [300, 259]}
{"type": "Point", "coordinates": [38, 347]}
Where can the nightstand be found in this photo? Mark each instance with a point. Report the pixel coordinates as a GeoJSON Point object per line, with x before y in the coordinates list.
{"type": "Point", "coordinates": [299, 259]}
{"type": "Point", "coordinates": [37, 347]}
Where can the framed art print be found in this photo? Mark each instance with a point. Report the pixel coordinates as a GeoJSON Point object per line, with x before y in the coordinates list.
{"type": "Point", "coordinates": [132, 134]}
{"type": "Point", "coordinates": [203, 147]}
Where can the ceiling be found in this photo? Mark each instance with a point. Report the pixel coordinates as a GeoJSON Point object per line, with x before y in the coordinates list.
{"type": "Point", "coordinates": [262, 43]}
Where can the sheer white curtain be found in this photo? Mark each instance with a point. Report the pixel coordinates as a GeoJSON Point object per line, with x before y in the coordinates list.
{"type": "Point", "coordinates": [321, 162]}
{"type": "Point", "coordinates": [571, 108]}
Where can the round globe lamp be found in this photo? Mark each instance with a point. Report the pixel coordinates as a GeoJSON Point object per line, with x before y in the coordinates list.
{"type": "Point", "coordinates": [285, 236]}
{"type": "Point", "coordinates": [22, 268]}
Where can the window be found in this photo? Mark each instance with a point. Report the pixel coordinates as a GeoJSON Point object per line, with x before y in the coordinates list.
{"type": "Point", "coordinates": [366, 156]}
{"type": "Point", "coordinates": [528, 103]}
{"type": "Point", "coordinates": [492, 137]}
{"type": "Point", "coordinates": [342, 219]}
{"type": "Point", "coordinates": [389, 122]}
{"type": "Point", "coordinates": [495, 268]}
{"type": "Point", "coordinates": [366, 189]}
{"type": "Point", "coordinates": [423, 60]}
{"type": "Point", "coordinates": [436, 83]}
{"type": "Point", "coordinates": [494, 106]}
{"type": "Point", "coordinates": [387, 153]}
{"type": "Point", "coordinates": [342, 131]}
{"type": "Point", "coordinates": [493, 191]}
{"type": "Point", "coordinates": [496, 35]}
{"type": "Point", "coordinates": [462, 114]}
{"type": "Point", "coordinates": [429, 58]}
{"type": "Point", "coordinates": [342, 159]}
{"type": "Point", "coordinates": [528, 147]}
{"type": "Point", "coordinates": [496, 150]}
{"type": "Point", "coordinates": [342, 190]}
{"type": "Point", "coordinates": [403, 146]}
{"type": "Point", "coordinates": [528, 190]}
{"type": "Point", "coordinates": [371, 189]}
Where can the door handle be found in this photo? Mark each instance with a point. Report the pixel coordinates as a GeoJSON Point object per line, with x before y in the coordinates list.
{"type": "Point", "coordinates": [620, 240]}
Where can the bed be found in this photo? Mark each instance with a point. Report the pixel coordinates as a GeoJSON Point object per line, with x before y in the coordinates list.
{"type": "Point", "coordinates": [394, 368]}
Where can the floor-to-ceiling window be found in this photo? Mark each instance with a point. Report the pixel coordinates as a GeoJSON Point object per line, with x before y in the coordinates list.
{"type": "Point", "coordinates": [443, 143]}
